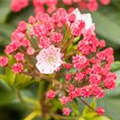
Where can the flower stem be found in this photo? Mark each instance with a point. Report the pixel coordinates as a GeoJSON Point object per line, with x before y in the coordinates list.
{"type": "Point", "coordinates": [87, 105]}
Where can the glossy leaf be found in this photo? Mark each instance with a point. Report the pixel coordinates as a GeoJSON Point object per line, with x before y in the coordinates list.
{"type": "Point", "coordinates": [22, 80]}
{"type": "Point", "coordinates": [81, 118]}
{"type": "Point", "coordinates": [107, 28]}
{"type": "Point", "coordinates": [4, 10]}
{"type": "Point", "coordinates": [99, 118]}
{"type": "Point", "coordinates": [87, 109]}
{"type": "Point", "coordinates": [115, 66]}
{"type": "Point", "coordinates": [10, 76]}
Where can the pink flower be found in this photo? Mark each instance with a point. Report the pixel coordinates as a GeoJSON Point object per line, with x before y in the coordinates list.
{"type": "Point", "coordinates": [102, 43]}
{"type": "Point", "coordinates": [66, 111]}
{"type": "Point", "coordinates": [78, 27]}
{"type": "Point", "coordinates": [17, 68]}
{"type": "Point", "coordinates": [67, 2]}
{"type": "Point", "coordinates": [31, 20]}
{"type": "Point", "coordinates": [80, 61]}
{"type": "Point", "coordinates": [79, 76]}
{"type": "Point", "coordinates": [51, 9]}
{"type": "Point", "coordinates": [12, 47]}
{"type": "Point", "coordinates": [18, 35]}
{"type": "Point", "coordinates": [95, 79]}
{"type": "Point", "coordinates": [67, 66]}
{"type": "Point", "coordinates": [51, 94]}
{"type": "Point", "coordinates": [49, 60]}
{"type": "Point", "coordinates": [44, 42]}
{"type": "Point", "coordinates": [100, 111]}
{"type": "Point", "coordinates": [25, 42]}
{"type": "Point", "coordinates": [56, 37]}
{"type": "Point", "coordinates": [18, 5]}
{"type": "Point", "coordinates": [92, 5]}
{"type": "Point", "coordinates": [72, 18]}
{"type": "Point", "coordinates": [109, 84]}
{"type": "Point", "coordinates": [22, 26]}
{"type": "Point", "coordinates": [88, 44]}
{"type": "Point", "coordinates": [19, 56]}
{"type": "Point", "coordinates": [30, 50]}
{"type": "Point", "coordinates": [105, 2]}
{"type": "Point", "coordinates": [3, 61]}
{"type": "Point", "coordinates": [68, 77]}
{"type": "Point", "coordinates": [64, 100]}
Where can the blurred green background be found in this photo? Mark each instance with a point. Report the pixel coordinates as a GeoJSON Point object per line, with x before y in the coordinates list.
{"type": "Point", "coordinates": [107, 20]}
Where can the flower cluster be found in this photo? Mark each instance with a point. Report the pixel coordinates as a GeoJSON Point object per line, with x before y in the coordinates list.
{"type": "Point", "coordinates": [91, 5]}
{"type": "Point", "coordinates": [64, 46]}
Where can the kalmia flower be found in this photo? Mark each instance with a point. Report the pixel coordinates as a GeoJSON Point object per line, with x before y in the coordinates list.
{"type": "Point", "coordinates": [100, 111]}
{"type": "Point", "coordinates": [19, 56]}
{"type": "Point", "coordinates": [18, 5]}
{"type": "Point", "coordinates": [30, 50]}
{"type": "Point", "coordinates": [52, 5]}
{"type": "Point", "coordinates": [80, 61]}
{"type": "Point", "coordinates": [77, 65]}
{"type": "Point", "coordinates": [66, 111]}
{"type": "Point", "coordinates": [49, 60]}
{"type": "Point", "coordinates": [17, 67]}
{"type": "Point", "coordinates": [3, 61]}
{"type": "Point", "coordinates": [51, 94]}
{"type": "Point", "coordinates": [64, 100]}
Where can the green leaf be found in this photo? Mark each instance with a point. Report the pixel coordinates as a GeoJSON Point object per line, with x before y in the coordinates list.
{"type": "Point", "coordinates": [23, 80]}
{"type": "Point", "coordinates": [111, 106]}
{"type": "Point", "coordinates": [32, 115]}
{"type": "Point", "coordinates": [99, 118]}
{"type": "Point", "coordinates": [87, 109]}
{"type": "Point", "coordinates": [7, 29]}
{"type": "Point", "coordinates": [2, 77]}
{"type": "Point", "coordinates": [115, 66]}
{"type": "Point", "coordinates": [81, 118]}
{"type": "Point", "coordinates": [4, 10]}
{"type": "Point", "coordinates": [76, 39]}
{"type": "Point", "coordinates": [107, 28]}
{"type": "Point", "coordinates": [88, 112]}
{"type": "Point", "coordinates": [118, 78]}
{"type": "Point", "coordinates": [10, 76]}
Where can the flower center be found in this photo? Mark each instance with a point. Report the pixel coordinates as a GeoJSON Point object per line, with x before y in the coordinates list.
{"type": "Point", "coordinates": [51, 59]}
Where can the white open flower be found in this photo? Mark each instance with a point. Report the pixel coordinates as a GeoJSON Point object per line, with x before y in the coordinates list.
{"type": "Point", "coordinates": [49, 60]}
{"type": "Point", "coordinates": [85, 17]}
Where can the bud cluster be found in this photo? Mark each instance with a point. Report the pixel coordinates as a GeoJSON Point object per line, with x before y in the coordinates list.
{"type": "Point", "coordinates": [64, 46]}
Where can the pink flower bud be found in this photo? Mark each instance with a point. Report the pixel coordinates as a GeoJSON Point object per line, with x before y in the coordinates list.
{"type": "Point", "coordinates": [51, 94]}
{"type": "Point", "coordinates": [105, 2]}
{"type": "Point", "coordinates": [64, 100]}
{"type": "Point", "coordinates": [100, 111]}
{"type": "Point", "coordinates": [68, 77]}
{"type": "Point", "coordinates": [3, 61]}
{"type": "Point", "coordinates": [19, 56]}
{"type": "Point", "coordinates": [30, 50]}
{"type": "Point", "coordinates": [102, 43]}
{"type": "Point", "coordinates": [66, 111]}
{"type": "Point", "coordinates": [17, 68]}
{"type": "Point", "coordinates": [31, 20]}
{"type": "Point", "coordinates": [22, 26]}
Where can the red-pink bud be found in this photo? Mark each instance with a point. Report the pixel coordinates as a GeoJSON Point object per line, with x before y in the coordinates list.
{"type": "Point", "coordinates": [51, 94]}
{"type": "Point", "coordinates": [100, 111]}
